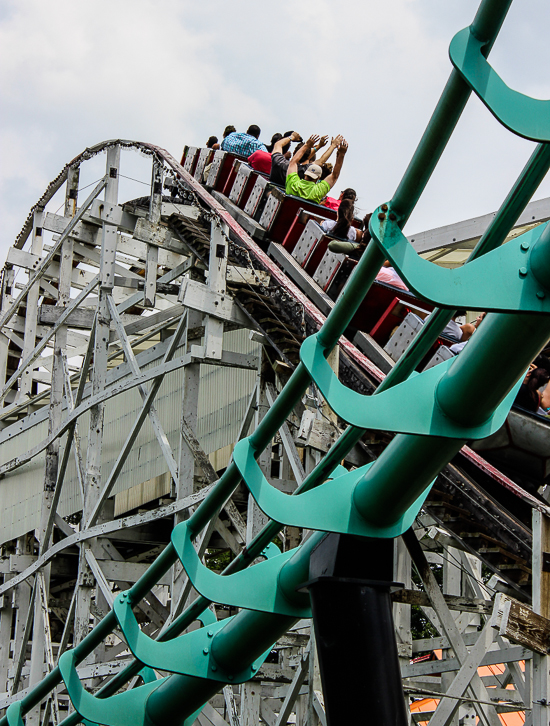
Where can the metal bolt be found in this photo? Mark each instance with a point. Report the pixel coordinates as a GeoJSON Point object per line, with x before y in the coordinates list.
{"type": "Point", "coordinates": [523, 271]}
{"type": "Point", "coordinates": [122, 600]}
{"type": "Point", "coordinates": [205, 651]}
{"type": "Point", "coordinates": [214, 668]}
{"type": "Point", "coordinates": [381, 215]}
{"type": "Point", "coordinates": [384, 207]}
{"type": "Point", "coordinates": [229, 678]}
{"type": "Point", "coordinates": [393, 216]}
{"type": "Point", "coordinates": [210, 633]}
{"type": "Point", "coordinates": [525, 246]}
{"type": "Point", "coordinates": [541, 294]}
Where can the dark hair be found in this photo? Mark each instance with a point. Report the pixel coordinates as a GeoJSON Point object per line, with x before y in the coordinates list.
{"type": "Point", "coordinates": [366, 233]}
{"type": "Point", "coordinates": [228, 130]}
{"type": "Point", "coordinates": [211, 141]}
{"type": "Point", "coordinates": [542, 361]}
{"type": "Point", "coordinates": [344, 219]}
{"type": "Point", "coordinates": [326, 169]}
{"type": "Point", "coordinates": [537, 379]}
{"type": "Point", "coordinates": [274, 139]}
{"type": "Point", "coordinates": [349, 193]}
{"type": "Point", "coordinates": [254, 131]}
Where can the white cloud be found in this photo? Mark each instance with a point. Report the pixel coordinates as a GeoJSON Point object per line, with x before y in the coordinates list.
{"type": "Point", "coordinates": [175, 71]}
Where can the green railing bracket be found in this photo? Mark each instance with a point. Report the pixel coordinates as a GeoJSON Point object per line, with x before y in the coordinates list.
{"type": "Point", "coordinates": [124, 709]}
{"type": "Point", "coordinates": [380, 412]}
{"type": "Point", "coordinates": [148, 675]}
{"type": "Point", "coordinates": [189, 654]}
{"type": "Point", "coordinates": [13, 714]}
{"type": "Point", "coordinates": [525, 116]}
{"type": "Point", "coordinates": [207, 617]}
{"type": "Point", "coordinates": [499, 281]}
{"type": "Point", "coordinates": [255, 588]}
{"type": "Point", "coordinates": [328, 508]}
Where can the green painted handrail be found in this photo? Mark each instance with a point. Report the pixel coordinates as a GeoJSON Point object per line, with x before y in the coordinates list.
{"type": "Point", "coordinates": [525, 116]}
{"type": "Point", "coordinates": [475, 286]}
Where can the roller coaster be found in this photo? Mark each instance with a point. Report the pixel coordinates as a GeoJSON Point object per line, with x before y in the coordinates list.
{"type": "Point", "coordinates": [119, 320]}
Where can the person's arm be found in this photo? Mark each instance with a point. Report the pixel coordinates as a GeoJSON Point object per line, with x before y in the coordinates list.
{"type": "Point", "coordinates": [333, 178]}
{"type": "Point", "coordinates": [322, 142]}
{"type": "Point", "coordinates": [306, 148]}
{"type": "Point", "coordinates": [328, 153]}
{"type": "Point", "coordinates": [467, 331]}
{"type": "Point", "coordinates": [280, 145]}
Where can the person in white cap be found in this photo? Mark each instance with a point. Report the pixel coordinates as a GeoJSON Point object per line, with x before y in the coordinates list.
{"type": "Point", "coordinates": [312, 187]}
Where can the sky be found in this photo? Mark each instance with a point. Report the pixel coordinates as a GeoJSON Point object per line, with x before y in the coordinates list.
{"type": "Point", "coordinates": [174, 72]}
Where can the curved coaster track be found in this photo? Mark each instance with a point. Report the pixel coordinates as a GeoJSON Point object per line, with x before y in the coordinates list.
{"type": "Point", "coordinates": [205, 448]}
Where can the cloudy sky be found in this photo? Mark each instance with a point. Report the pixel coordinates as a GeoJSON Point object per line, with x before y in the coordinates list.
{"type": "Point", "coordinates": [173, 72]}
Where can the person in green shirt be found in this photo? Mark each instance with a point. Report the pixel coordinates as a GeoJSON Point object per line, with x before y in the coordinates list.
{"type": "Point", "coordinates": [312, 187]}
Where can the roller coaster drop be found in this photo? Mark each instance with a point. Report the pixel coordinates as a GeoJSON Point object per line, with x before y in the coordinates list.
{"type": "Point", "coordinates": [362, 510]}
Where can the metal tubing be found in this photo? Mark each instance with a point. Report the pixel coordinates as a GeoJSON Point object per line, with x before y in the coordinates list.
{"type": "Point", "coordinates": [235, 647]}
{"type": "Point", "coordinates": [468, 393]}
{"type": "Point", "coordinates": [486, 25]}
{"type": "Point", "coordinates": [517, 199]}
{"type": "Point", "coordinates": [539, 262]}
{"type": "Point", "coordinates": [475, 384]}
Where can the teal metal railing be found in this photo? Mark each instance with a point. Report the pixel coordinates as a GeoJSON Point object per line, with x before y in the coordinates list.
{"type": "Point", "coordinates": [468, 397]}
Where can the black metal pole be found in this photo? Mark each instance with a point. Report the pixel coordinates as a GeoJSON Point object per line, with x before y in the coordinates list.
{"type": "Point", "coordinates": [354, 631]}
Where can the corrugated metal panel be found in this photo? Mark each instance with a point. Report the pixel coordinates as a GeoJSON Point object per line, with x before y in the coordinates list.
{"type": "Point", "coordinates": [223, 395]}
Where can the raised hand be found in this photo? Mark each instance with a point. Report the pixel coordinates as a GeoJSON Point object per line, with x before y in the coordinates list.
{"type": "Point", "coordinates": [343, 147]}
{"type": "Point", "coordinates": [313, 139]}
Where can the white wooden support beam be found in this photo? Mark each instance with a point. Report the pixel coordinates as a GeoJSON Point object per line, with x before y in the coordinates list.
{"type": "Point", "coordinates": [293, 692]}
{"type": "Point", "coordinates": [93, 484]}
{"type": "Point", "coordinates": [478, 690]}
{"type": "Point", "coordinates": [255, 518]}
{"type": "Point", "coordinates": [25, 385]}
{"type": "Point", "coordinates": [217, 267]}
{"type": "Point", "coordinates": [35, 354]}
{"type": "Point", "coordinates": [287, 440]}
{"type": "Point", "coordinates": [100, 530]}
{"type": "Point", "coordinates": [267, 714]}
{"type": "Point", "coordinates": [213, 716]}
{"type": "Point", "coordinates": [25, 617]}
{"type": "Point", "coordinates": [231, 706]}
{"type": "Point", "coordinates": [201, 298]}
{"type": "Point", "coordinates": [250, 703]}
{"type": "Point", "coordinates": [541, 606]}
{"type": "Point", "coordinates": [100, 577]}
{"type": "Point", "coordinates": [155, 208]}
{"type": "Point", "coordinates": [151, 268]}
{"type": "Point", "coordinates": [160, 434]}
{"type": "Point", "coordinates": [45, 620]}
{"type": "Point", "coordinates": [104, 493]}
{"type": "Point", "coordinates": [8, 314]}
{"type": "Point", "coordinates": [448, 707]}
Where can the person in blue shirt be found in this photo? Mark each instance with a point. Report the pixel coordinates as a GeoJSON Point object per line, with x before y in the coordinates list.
{"type": "Point", "coordinates": [244, 144]}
